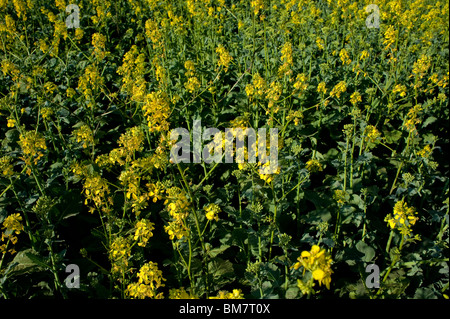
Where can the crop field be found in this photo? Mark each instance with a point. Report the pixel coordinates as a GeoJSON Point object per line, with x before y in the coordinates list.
{"type": "Point", "coordinates": [217, 149]}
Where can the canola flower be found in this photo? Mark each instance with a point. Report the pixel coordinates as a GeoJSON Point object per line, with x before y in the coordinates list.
{"type": "Point", "coordinates": [223, 294]}
{"type": "Point", "coordinates": [143, 231]}
{"type": "Point", "coordinates": [403, 218]}
{"type": "Point", "coordinates": [321, 88]}
{"type": "Point", "coordinates": [119, 254]}
{"type": "Point", "coordinates": [150, 279]}
{"type": "Point", "coordinates": [157, 110]}
{"type": "Point", "coordinates": [425, 152]}
{"type": "Point", "coordinates": [32, 144]}
{"type": "Point", "coordinates": [287, 59]}
{"type": "Point", "coordinates": [313, 166]}
{"type": "Point", "coordinates": [338, 89]}
{"type": "Point", "coordinates": [224, 57]}
{"type": "Point", "coordinates": [83, 134]}
{"type": "Point", "coordinates": [180, 293]}
{"type": "Point", "coordinates": [12, 226]}
{"type": "Point", "coordinates": [6, 167]}
{"type": "Point", "coordinates": [11, 123]}
{"type": "Point", "coordinates": [318, 262]}
{"type": "Point", "coordinates": [355, 98]}
{"type": "Point", "coordinates": [212, 212]}
{"type": "Point", "coordinates": [177, 205]}
{"type": "Point", "coordinates": [371, 134]}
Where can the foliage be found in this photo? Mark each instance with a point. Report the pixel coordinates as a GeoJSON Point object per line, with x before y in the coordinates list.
{"type": "Point", "coordinates": [85, 177]}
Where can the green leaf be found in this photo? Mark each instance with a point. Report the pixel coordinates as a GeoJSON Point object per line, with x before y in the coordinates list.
{"type": "Point", "coordinates": [429, 121]}
{"type": "Point", "coordinates": [368, 251]}
{"type": "Point", "coordinates": [425, 293]}
{"type": "Point", "coordinates": [291, 293]}
{"type": "Point", "coordinates": [26, 261]}
{"type": "Point", "coordinates": [216, 251]}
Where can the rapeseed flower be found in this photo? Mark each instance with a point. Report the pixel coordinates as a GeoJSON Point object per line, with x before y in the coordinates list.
{"type": "Point", "coordinates": [143, 231]}
{"type": "Point", "coordinates": [212, 212]}
{"type": "Point", "coordinates": [403, 219]}
{"type": "Point", "coordinates": [12, 226]}
{"type": "Point", "coordinates": [318, 262]}
{"type": "Point", "coordinates": [338, 89]}
{"type": "Point", "coordinates": [224, 57]}
{"type": "Point", "coordinates": [149, 280]}
{"type": "Point", "coordinates": [235, 294]}
{"type": "Point", "coordinates": [313, 165]}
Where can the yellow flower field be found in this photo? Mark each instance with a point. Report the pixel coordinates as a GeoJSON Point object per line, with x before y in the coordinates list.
{"type": "Point", "coordinates": [349, 98]}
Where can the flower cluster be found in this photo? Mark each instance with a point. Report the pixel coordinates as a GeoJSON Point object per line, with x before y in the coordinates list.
{"type": "Point", "coordinates": [287, 59]}
{"type": "Point", "coordinates": [257, 89]}
{"type": "Point", "coordinates": [403, 219]}
{"type": "Point", "coordinates": [340, 88]}
{"type": "Point", "coordinates": [157, 110]}
{"type": "Point", "coordinates": [235, 294]}
{"type": "Point", "coordinates": [32, 144]}
{"type": "Point", "coordinates": [119, 253]}
{"type": "Point", "coordinates": [371, 134]}
{"type": "Point", "coordinates": [132, 71]}
{"type": "Point", "coordinates": [177, 205]}
{"type": "Point", "coordinates": [212, 212]}
{"type": "Point", "coordinates": [318, 262]}
{"type": "Point", "coordinates": [12, 226]}
{"type": "Point", "coordinates": [149, 280]}
{"type": "Point", "coordinates": [192, 84]}
{"type": "Point", "coordinates": [180, 293]}
{"type": "Point", "coordinates": [313, 166]}
{"type": "Point", "coordinates": [84, 135]}
{"type": "Point", "coordinates": [224, 57]}
{"type": "Point", "coordinates": [6, 168]}
{"type": "Point", "coordinates": [412, 118]}
{"type": "Point", "coordinates": [143, 231]}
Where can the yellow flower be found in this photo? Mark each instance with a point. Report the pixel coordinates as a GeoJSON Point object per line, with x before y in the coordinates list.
{"type": "Point", "coordinates": [180, 293]}
{"type": "Point", "coordinates": [46, 113]}
{"type": "Point", "coordinates": [340, 196]}
{"type": "Point", "coordinates": [364, 55]}
{"type": "Point", "coordinates": [321, 88]}
{"type": "Point", "coordinates": [157, 110]}
{"type": "Point", "coordinates": [355, 98]}
{"type": "Point", "coordinates": [425, 152]}
{"type": "Point", "coordinates": [339, 88]}
{"type": "Point", "coordinates": [212, 211]}
{"type": "Point", "coordinates": [190, 68]}
{"type": "Point", "coordinates": [300, 83]}
{"type": "Point", "coordinates": [143, 232]}
{"type": "Point", "coordinates": [6, 168]}
{"type": "Point", "coordinates": [257, 5]}
{"type": "Point", "coordinates": [13, 224]}
{"type": "Point", "coordinates": [390, 37]}
{"type": "Point", "coordinates": [403, 219]}
{"type": "Point", "coordinates": [400, 88]}
{"type": "Point", "coordinates": [192, 85]}
{"type": "Point", "coordinates": [344, 56]}
{"type": "Point", "coordinates": [177, 204]}
{"type": "Point", "coordinates": [85, 135]}
{"type": "Point", "coordinates": [286, 58]}
{"type": "Point", "coordinates": [421, 66]}
{"type": "Point", "coordinates": [119, 252]}
{"type": "Point", "coordinates": [313, 166]}
{"type": "Point", "coordinates": [318, 262]}
{"type": "Point", "coordinates": [149, 280]}
{"type": "Point", "coordinates": [235, 294]}
{"type": "Point", "coordinates": [224, 57]}
{"type": "Point", "coordinates": [372, 134]}
{"type": "Point", "coordinates": [32, 144]}
{"type": "Point", "coordinates": [11, 122]}
{"type": "Point", "coordinates": [320, 43]}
